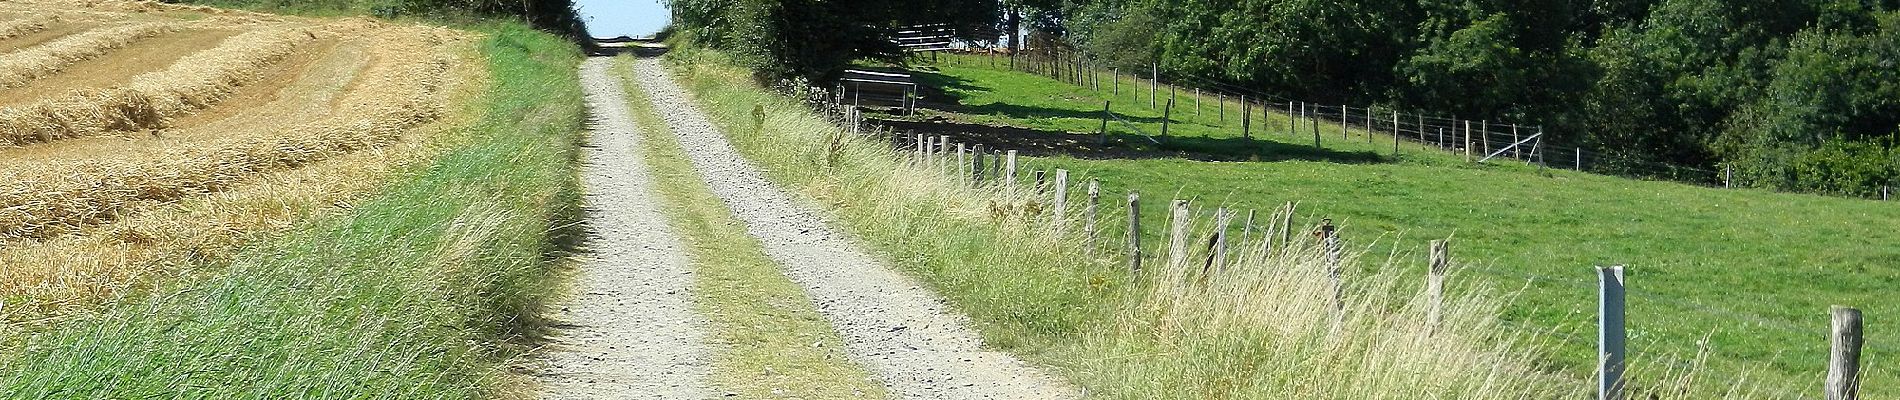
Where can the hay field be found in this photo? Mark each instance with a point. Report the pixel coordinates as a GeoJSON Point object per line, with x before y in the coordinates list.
{"type": "Point", "coordinates": [156, 136]}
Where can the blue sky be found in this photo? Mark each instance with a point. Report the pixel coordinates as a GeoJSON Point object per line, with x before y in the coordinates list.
{"type": "Point", "coordinates": [609, 18]}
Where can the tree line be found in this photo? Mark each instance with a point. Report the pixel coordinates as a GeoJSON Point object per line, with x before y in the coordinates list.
{"type": "Point", "coordinates": [1798, 95]}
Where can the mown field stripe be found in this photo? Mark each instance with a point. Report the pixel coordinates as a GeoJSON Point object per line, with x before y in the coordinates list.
{"type": "Point", "coordinates": [775, 344]}
{"type": "Point", "coordinates": [418, 293]}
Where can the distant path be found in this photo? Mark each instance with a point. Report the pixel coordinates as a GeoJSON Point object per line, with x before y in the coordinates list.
{"type": "Point", "coordinates": [631, 332]}
{"type": "Point", "coordinates": [904, 334]}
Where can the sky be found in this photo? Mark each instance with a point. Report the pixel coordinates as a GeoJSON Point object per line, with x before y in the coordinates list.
{"type": "Point", "coordinates": [610, 18]}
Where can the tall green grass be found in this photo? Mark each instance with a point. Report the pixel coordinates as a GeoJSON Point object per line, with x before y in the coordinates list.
{"type": "Point", "coordinates": [1259, 326]}
{"type": "Point", "coordinates": [420, 292]}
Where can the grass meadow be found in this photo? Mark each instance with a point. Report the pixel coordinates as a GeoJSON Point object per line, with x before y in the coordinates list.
{"type": "Point", "coordinates": [1748, 273]}
{"type": "Point", "coordinates": [1258, 324]}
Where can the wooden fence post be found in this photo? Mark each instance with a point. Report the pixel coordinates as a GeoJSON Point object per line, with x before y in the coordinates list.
{"type": "Point", "coordinates": [1134, 232]}
{"type": "Point", "coordinates": [1843, 361]}
{"type": "Point", "coordinates": [918, 155]}
{"type": "Point", "coordinates": [976, 167]}
{"type": "Point", "coordinates": [1329, 243]}
{"type": "Point", "coordinates": [1062, 198]}
{"type": "Point", "coordinates": [1435, 285]}
{"type": "Point", "coordinates": [1368, 127]}
{"type": "Point", "coordinates": [943, 153]}
{"type": "Point", "coordinates": [1223, 109]}
{"type": "Point", "coordinates": [1106, 114]}
{"type": "Point", "coordinates": [1246, 117]}
{"type": "Point", "coordinates": [1579, 164]}
{"type": "Point", "coordinates": [1042, 185]}
{"type": "Point", "coordinates": [1292, 127]}
{"type": "Point", "coordinates": [1314, 114]}
{"type": "Point", "coordinates": [1886, 192]}
{"type": "Point", "coordinates": [1177, 235]}
{"type": "Point", "coordinates": [1484, 135]}
{"type": "Point", "coordinates": [1246, 228]}
{"type": "Point", "coordinates": [1286, 227]}
{"type": "Point", "coordinates": [1154, 86]}
{"type": "Point", "coordinates": [1728, 177]}
{"type": "Point", "coordinates": [996, 165]}
{"type": "Point", "coordinates": [1089, 215]}
{"type": "Point", "coordinates": [1395, 133]}
{"type": "Point", "coordinates": [1009, 170]}
{"type": "Point", "coordinates": [1197, 104]}
{"type": "Point", "coordinates": [1610, 333]}
{"type": "Point", "coordinates": [963, 163]}
{"type": "Point", "coordinates": [1517, 152]}
{"type": "Point", "coordinates": [1217, 243]}
{"type": "Point", "coordinates": [1344, 116]}
{"type": "Point", "coordinates": [1468, 142]}
{"type": "Point", "coordinates": [1116, 75]}
{"type": "Point", "coordinates": [1167, 116]}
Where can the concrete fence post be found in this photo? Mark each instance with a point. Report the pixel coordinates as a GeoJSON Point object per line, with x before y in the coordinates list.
{"type": "Point", "coordinates": [1611, 351]}
{"type": "Point", "coordinates": [1435, 285]}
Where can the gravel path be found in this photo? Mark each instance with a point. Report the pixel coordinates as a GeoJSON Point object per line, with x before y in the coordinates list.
{"type": "Point", "coordinates": [632, 332]}
{"type": "Point", "coordinates": [903, 333]}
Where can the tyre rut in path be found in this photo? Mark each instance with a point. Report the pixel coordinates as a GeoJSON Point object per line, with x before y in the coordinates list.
{"type": "Point", "coordinates": [902, 333]}
{"type": "Point", "coordinates": [631, 332]}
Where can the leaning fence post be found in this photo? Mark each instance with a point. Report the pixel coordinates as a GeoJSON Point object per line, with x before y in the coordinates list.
{"type": "Point", "coordinates": [1167, 116]}
{"type": "Point", "coordinates": [1177, 235]}
{"type": "Point", "coordinates": [1843, 361]}
{"type": "Point", "coordinates": [1728, 177]}
{"type": "Point", "coordinates": [1435, 285]}
{"type": "Point", "coordinates": [1610, 333]}
{"type": "Point", "coordinates": [1134, 232]}
{"type": "Point", "coordinates": [1217, 244]}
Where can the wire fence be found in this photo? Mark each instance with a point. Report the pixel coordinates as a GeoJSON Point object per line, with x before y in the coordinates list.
{"type": "Point", "coordinates": [1423, 131]}
{"type": "Point", "coordinates": [1490, 141]}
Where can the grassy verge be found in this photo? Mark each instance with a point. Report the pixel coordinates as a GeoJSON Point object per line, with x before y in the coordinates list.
{"type": "Point", "coordinates": [1751, 271]}
{"type": "Point", "coordinates": [1260, 325]}
{"type": "Point", "coordinates": [416, 293]}
{"type": "Point", "coordinates": [774, 343]}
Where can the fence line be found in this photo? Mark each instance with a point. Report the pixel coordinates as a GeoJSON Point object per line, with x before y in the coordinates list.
{"type": "Point", "coordinates": [933, 153]}
{"type": "Point", "coordinates": [1424, 130]}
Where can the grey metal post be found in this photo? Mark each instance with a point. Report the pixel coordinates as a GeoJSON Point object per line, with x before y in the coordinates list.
{"type": "Point", "coordinates": [1610, 334]}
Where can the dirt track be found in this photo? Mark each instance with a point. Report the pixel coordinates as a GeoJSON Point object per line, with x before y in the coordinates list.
{"type": "Point", "coordinates": [902, 333]}
{"type": "Point", "coordinates": [630, 331]}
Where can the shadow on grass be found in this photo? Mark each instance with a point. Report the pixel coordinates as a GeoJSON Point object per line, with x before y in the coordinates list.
{"type": "Point", "coordinates": [943, 93]}
{"type": "Point", "coordinates": [1088, 145]}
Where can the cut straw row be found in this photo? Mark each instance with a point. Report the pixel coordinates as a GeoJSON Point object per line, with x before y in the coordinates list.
{"type": "Point", "coordinates": [21, 27]}
{"type": "Point", "coordinates": [395, 96]}
{"type": "Point", "coordinates": [20, 67]}
{"type": "Point", "coordinates": [154, 98]}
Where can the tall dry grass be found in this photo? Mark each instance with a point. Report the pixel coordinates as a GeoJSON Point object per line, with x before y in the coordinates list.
{"type": "Point", "coordinates": [400, 91]}
{"type": "Point", "coordinates": [1259, 324]}
{"type": "Point", "coordinates": [50, 58]}
{"type": "Point", "coordinates": [152, 99]}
